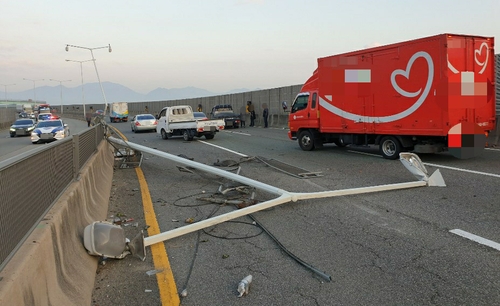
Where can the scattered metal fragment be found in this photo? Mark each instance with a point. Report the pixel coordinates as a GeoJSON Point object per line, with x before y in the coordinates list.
{"type": "Point", "coordinates": [184, 156]}
{"type": "Point", "coordinates": [288, 169]}
{"type": "Point", "coordinates": [153, 272]}
{"type": "Point", "coordinates": [184, 293]}
{"type": "Point", "coordinates": [244, 285]}
{"type": "Point", "coordinates": [238, 203]}
{"type": "Point", "coordinates": [226, 163]}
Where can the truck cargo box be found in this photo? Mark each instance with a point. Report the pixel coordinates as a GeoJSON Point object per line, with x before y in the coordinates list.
{"type": "Point", "coordinates": [419, 92]}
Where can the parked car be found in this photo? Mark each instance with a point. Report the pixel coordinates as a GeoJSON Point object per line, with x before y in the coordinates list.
{"type": "Point", "coordinates": [200, 116]}
{"type": "Point", "coordinates": [49, 130]}
{"type": "Point", "coordinates": [22, 127]}
{"type": "Point", "coordinates": [229, 117]}
{"type": "Point", "coordinates": [143, 122]}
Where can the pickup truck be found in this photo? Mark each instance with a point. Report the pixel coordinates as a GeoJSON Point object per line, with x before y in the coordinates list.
{"type": "Point", "coordinates": [179, 121]}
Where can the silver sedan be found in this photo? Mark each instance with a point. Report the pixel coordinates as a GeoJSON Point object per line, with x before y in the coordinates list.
{"type": "Point", "coordinates": [143, 122]}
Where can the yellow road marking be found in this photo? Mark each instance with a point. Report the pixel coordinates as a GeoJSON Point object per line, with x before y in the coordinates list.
{"type": "Point", "coordinates": [165, 279]}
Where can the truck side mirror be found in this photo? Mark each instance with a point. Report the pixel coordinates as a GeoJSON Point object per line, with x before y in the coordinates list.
{"type": "Point", "coordinates": [284, 105]}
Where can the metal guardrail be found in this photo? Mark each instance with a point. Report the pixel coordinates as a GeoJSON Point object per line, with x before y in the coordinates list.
{"type": "Point", "coordinates": [32, 182]}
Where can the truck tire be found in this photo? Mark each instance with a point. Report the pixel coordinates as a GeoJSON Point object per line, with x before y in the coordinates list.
{"type": "Point", "coordinates": [164, 134]}
{"type": "Point", "coordinates": [187, 136]}
{"type": "Point", "coordinates": [390, 147]}
{"type": "Point", "coordinates": [339, 143]}
{"type": "Point", "coordinates": [306, 141]}
{"type": "Point", "coordinates": [209, 136]}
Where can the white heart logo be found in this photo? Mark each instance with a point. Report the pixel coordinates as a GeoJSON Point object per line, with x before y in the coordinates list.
{"type": "Point", "coordinates": [479, 52]}
{"type": "Point", "coordinates": [406, 74]}
{"type": "Point", "coordinates": [327, 101]}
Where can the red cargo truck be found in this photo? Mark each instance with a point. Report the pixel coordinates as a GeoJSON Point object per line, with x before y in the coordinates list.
{"type": "Point", "coordinates": [427, 95]}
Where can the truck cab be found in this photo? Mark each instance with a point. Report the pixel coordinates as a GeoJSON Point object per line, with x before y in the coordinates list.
{"type": "Point", "coordinates": [180, 121]}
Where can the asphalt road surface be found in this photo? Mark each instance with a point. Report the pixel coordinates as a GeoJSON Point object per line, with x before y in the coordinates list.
{"type": "Point", "coordinates": [399, 247]}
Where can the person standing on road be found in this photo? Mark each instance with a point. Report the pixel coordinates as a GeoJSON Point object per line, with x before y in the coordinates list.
{"type": "Point", "coordinates": [88, 117]}
{"type": "Point", "coordinates": [265, 115]}
{"type": "Point", "coordinates": [251, 110]}
{"type": "Point", "coordinates": [243, 114]}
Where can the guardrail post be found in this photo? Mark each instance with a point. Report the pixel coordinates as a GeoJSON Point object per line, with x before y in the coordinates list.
{"type": "Point", "coordinates": [76, 155]}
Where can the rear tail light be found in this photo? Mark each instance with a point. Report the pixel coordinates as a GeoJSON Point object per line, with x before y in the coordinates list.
{"type": "Point", "coordinates": [156, 122]}
{"type": "Point", "coordinates": [137, 123]}
{"type": "Point", "coordinates": [221, 127]}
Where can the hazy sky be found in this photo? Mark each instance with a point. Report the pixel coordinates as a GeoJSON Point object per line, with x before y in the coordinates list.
{"type": "Point", "coordinates": [218, 45]}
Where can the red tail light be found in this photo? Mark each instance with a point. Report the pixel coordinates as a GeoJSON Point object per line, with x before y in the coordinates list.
{"type": "Point", "coordinates": [137, 123]}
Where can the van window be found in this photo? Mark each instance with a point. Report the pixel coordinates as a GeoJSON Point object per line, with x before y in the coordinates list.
{"type": "Point", "coordinates": [163, 113]}
{"type": "Point", "coordinates": [300, 103]}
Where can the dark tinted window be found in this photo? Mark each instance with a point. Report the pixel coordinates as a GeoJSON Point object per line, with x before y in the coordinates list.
{"type": "Point", "coordinates": [145, 117]}
{"type": "Point", "coordinates": [22, 122]}
{"type": "Point", "coordinates": [199, 115]}
{"type": "Point", "coordinates": [300, 103]}
{"type": "Point", "coordinates": [53, 123]}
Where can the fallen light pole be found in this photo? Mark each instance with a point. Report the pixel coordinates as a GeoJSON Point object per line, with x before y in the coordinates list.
{"type": "Point", "coordinates": [109, 246]}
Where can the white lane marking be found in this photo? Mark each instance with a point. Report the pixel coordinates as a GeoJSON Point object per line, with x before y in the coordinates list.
{"type": "Point", "coordinates": [222, 148]}
{"type": "Point", "coordinates": [364, 153]}
{"type": "Point", "coordinates": [492, 149]}
{"type": "Point", "coordinates": [463, 170]}
{"type": "Point", "coordinates": [439, 166]}
{"type": "Point", "coordinates": [239, 133]}
{"type": "Point", "coordinates": [478, 239]}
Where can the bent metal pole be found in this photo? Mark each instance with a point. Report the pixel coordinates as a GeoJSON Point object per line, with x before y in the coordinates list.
{"type": "Point", "coordinates": [284, 196]}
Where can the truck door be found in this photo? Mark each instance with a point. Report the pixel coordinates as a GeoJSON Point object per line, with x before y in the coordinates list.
{"type": "Point", "coordinates": [304, 112]}
{"type": "Point", "coordinates": [162, 120]}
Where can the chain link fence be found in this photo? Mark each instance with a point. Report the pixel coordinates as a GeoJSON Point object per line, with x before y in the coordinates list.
{"type": "Point", "coordinates": [32, 182]}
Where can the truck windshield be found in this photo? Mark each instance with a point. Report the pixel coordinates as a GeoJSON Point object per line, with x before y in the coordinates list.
{"type": "Point", "coordinates": [300, 103]}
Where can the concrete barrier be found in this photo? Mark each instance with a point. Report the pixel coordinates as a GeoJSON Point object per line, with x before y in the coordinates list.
{"type": "Point", "coordinates": [52, 267]}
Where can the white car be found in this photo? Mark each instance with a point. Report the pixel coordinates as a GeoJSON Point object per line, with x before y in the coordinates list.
{"type": "Point", "coordinates": [50, 130]}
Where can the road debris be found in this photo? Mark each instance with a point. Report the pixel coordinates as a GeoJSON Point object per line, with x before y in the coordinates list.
{"type": "Point", "coordinates": [244, 285]}
{"type": "Point", "coordinates": [153, 272]}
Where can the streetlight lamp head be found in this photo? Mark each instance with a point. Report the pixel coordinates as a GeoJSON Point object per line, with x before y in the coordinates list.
{"type": "Point", "coordinates": [67, 48]}
{"type": "Point", "coordinates": [109, 48]}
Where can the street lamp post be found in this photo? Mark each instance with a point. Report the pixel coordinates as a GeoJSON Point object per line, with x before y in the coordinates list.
{"type": "Point", "coordinates": [60, 86]}
{"type": "Point", "coordinates": [81, 73]}
{"type": "Point", "coordinates": [34, 87]}
{"type": "Point", "coordinates": [5, 92]}
{"type": "Point", "coordinates": [95, 66]}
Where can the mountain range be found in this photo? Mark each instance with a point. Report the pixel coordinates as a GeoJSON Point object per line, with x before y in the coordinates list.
{"type": "Point", "coordinates": [114, 93]}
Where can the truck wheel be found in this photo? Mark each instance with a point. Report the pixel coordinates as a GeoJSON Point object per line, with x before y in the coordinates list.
{"type": "Point", "coordinates": [187, 136]}
{"type": "Point", "coordinates": [209, 136]}
{"type": "Point", "coordinates": [339, 143]}
{"type": "Point", "coordinates": [306, 142]}
{"type": "Point", "coordinates": [164, 134]}
{"type": "Point", "coordinates": [390, 147]}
